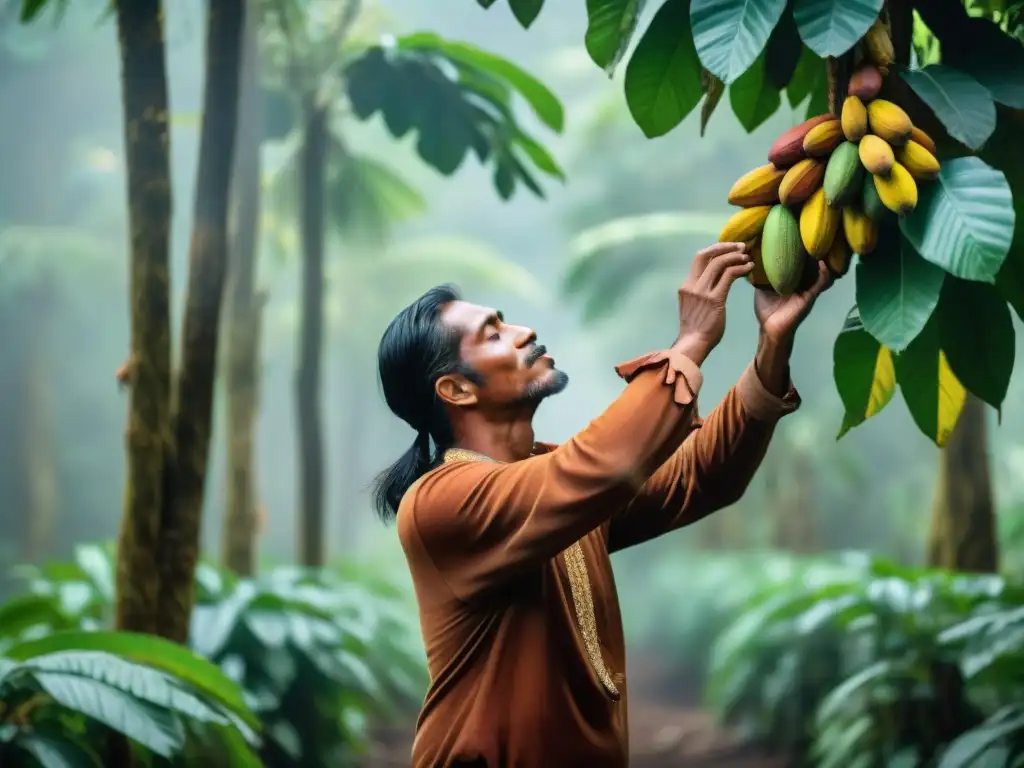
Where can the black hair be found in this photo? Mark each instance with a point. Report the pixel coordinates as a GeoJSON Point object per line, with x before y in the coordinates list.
{"type": "Point", "coordinates": [415, 351]}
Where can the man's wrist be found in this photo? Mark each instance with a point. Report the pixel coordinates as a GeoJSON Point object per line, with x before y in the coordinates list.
{"type": "Point", "coordinates": [772, 363]}
{"type": "Point", "coordinates": [695, 348]}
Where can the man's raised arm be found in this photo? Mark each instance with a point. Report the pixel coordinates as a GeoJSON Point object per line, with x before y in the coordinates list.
{"type": "Point", "coordinates": [482, 523]}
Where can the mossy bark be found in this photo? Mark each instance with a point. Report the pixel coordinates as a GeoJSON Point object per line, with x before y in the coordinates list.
{"type": "Point", "coordinates": [192, 414]}
{"type": "Point", "coordinates": [244, 317]}
{"type": "Point", "coordinates": [148, 375]}
{"type": "Point", "coordinates": [308, 375]}
{"type": "Point", "coordinates": [963, 533]}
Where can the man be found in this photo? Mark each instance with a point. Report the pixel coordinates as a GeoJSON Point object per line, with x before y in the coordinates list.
{"type": "Point", "coordinates": [508, 540]}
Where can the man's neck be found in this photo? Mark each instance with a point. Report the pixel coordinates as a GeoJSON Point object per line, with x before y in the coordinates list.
{"type": "Point", "coordinates": [506, 441]}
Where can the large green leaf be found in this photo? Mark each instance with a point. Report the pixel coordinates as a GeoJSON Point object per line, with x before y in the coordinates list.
{"type": "Point", "coordinates": [994, 59]}
{"type": "Point", "coordinates": [663, 74]}
{"type": "Point", "coordinates": [810, 76]}
{"type": "Point", "coordinates": [933, 394]}
{"type": "Point", "coordinates": [152, 651]}
{"type": "Point", "coordinates": [752, 98]}
{"type": "Point", "coordinates": [962, 104]}
{"type": "Point", "coordinates": [964, 220]}
{"type": "Point", "coordinates": [968, 749]}
{"type": "Point", "coordinates": [610, 26]}
{"type": "Point", "coordinates": [832, 27]}
{"type": "Point", "coordinates": [783, 52]}
{"type": "Point", "coordinates": [863, 373]}
{"type": "Point", "coordinates": [897, 291]}
{"type": "Point", "coordinates": [730, 34]}
{"type": "Point", "coordinates": [539, 97]}
{"type": "Point", "coordinates": [976, 332]}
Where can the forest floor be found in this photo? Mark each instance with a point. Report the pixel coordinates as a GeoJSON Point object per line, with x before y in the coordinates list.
{"type": "Point", "coordinates": [666, 731]}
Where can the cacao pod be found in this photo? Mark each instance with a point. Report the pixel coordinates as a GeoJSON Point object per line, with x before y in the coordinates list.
{"type": "Point", "coordinates": [782, 255]}
{"type": "Point", "coordinates": [801, 180]}
{"type": "Point", "coordinates": [843, 175]}
{"type": "Point", "coordinates": [919, 161]}
{"type": "Point", "coordinates": [879, 46]}
{"type": "Point", "coordinates": [838, 257]}
{"type": "Point", "coordinates": [757, 276]}
{"type": "Point", "coordinates": [876, 155]}
{"type": "Point", "coordinates": [922, 138]}
{"type": "Point", "coordinates": [744, 225]}
{"type": "Point", "coordinates": [865, 83]}
{"type": "Point", "coordinates": [819, 223]}
{"type": "Point", "coordinates": [788, 149]}
{"type": "Point", "coordinates": [898, 190]}
{"type": "Point", "coordinates": [889, 121]}
{"type": "Point", "coordinates": [823, 138]}
{"type": "Point", "coordinates": [871, 203]}
{"type": "Point", "coordinates": [859, 230]}
{"type": "Point", "coordinates": [854, 119]}
{"type": "Point", "coordinates": [757, 187]}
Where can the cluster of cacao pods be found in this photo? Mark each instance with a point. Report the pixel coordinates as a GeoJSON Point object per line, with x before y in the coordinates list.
{"type": "Point", "coordinates": [831, 182]}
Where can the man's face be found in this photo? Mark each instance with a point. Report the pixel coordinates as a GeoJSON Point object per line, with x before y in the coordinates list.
{"type": "Point", "coordinates": [514, 368]}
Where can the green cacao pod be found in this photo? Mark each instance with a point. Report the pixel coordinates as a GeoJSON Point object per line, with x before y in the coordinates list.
{"type": "Point", "coordinates": [782, 253]}
{"type": "Point", "coordinates": [844, 175]}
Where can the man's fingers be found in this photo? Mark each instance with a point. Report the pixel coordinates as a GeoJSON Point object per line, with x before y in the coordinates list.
{"type": "Point", "coordinates": [705, 255]}
{"type": "Point", "coordinates": [730, 276]}
{"type": "Point", "coordinates": [718, 266]}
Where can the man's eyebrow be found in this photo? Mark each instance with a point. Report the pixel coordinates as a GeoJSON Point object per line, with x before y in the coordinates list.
{"type": "Point", "coordinates": [492, 319]}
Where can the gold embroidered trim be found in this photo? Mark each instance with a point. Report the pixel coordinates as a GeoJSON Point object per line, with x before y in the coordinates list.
{"type": "Point", "coordinates": [579, 584]}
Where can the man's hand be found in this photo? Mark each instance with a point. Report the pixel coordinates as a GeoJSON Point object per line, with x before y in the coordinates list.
{"type": "Point", "coordinates": [702, 297]}
{"type": "Point", "coordinates": [780, 316]}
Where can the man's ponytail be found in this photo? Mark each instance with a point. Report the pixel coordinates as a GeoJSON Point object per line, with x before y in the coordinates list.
{"type": "Point", "coordinates": [390, 485]}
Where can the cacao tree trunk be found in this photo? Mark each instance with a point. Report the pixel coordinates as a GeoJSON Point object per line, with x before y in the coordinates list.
{"type": "Point", "coordinates": [245, 313]}
{"type": "Point", "coordinates": [148, 374]}
{"type": "Point", "coordinates": [191, 419]}
{"type": "Point", "coordinates": [963, 533]}
{"type": "Point", "coordinates": [308, 376]}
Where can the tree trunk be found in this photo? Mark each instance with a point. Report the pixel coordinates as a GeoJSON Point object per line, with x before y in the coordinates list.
{"type": "Point", "coordinates": [238, 538]}
{"type": "Point", "coordinates": [308, 375]}
{"type": "Point", "coordinates": [192, 416]}
{"type": "Point", "coordinates": [147, 147]}
{"type": "Point", "coordinates": [40, 456]}
{"type": "Point", "coordinates": [963, 526]}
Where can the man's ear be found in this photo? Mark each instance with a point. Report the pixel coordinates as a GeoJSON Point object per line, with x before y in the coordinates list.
{"type": "Point", "coordinates": [456, 390]}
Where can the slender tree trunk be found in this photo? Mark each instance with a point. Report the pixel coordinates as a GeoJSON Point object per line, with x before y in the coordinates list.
{"type": "Point", "coordinates": [963, 527]}
{"type": "Point", "coordinates": [308, 376]}
{"type": "Point", "coordinates": [148, 374]}
{"type": "Point", "coordinates": [192, 415]}
{"type": "Point", "coordinates": [40, 439]}
{"type": "Point", "coordinates": [238, 539]}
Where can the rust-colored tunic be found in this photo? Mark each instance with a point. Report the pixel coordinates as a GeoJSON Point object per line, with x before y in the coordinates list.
{"type": "Point", "coordinates": [513, 578]}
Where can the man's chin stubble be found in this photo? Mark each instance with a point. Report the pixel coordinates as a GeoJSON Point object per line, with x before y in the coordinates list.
{"type": "Point", "coordinates": [552, 385]}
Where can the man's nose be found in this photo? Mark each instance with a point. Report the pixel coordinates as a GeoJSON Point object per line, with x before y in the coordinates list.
{"type": "Point", "coordinates": [525, 336]}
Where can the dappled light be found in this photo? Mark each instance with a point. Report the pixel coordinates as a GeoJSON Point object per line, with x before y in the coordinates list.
{"type": "Point", "coordinates": [267, 500]}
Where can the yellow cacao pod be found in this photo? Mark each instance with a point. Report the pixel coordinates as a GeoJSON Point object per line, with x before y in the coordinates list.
{"type": "Point", "coordinates": [859, 230]}
{"type": "Point", "coordinates": [898, 190]}
{"type": "Point", "coordinates": [879, 47]}
{"type": "Point", "coordinates": [919, 161]}
{"type": "Point", "coordinates": [838, 257]}
{"type": "Point", "coordinates": [801, 180]}
{"type": "Point", "coordinates": [757, 187]}
{"type": "Point", "coordinates": [922, 138]}
{"type": "Point", "coordinates": [889, 121]}
{"type": "Point", "coordinates": [876, 155]}
{"type": "Point", "coordinates": [744, 225]}
{"type": "Point", "coordinates": [757, 276]}
{"type": "Point", "coordinates": [823, 138]}
{"type": "Point", "coordinates": [819, 223]}
{"type": "Point", "coordinates": [854, 119]}
{"type": "Point", "coordinates": [781, 253]}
